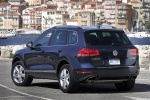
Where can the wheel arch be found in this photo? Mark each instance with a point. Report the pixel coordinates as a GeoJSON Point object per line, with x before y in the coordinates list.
{"type": "Point", "coordinates": [17, 58]}
{"type": "Point", "coordinates": [60, 64]}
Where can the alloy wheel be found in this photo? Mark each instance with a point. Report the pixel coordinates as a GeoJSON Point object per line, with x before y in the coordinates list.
{"type": "Point", "coordinates": [18, 74]}
{"type": "Point", "coordinates": [64, 78]}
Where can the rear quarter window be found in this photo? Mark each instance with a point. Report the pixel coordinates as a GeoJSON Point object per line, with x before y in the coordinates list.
{"type": "Point", "coordinates": [106, 38]}
{"type": "Point", "coordinates": [72, 37]}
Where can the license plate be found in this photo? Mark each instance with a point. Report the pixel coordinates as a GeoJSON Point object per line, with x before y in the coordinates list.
{"type": "Point", "coordinates": [114, 61]}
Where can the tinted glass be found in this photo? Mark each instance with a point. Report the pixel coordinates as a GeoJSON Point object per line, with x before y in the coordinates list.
{"type": "Point", "coordinates": [106, 38]}
{"type": "Point", "coordinates": [72, 38]}
{"type": "Point", "coordinates": [43, 40]}
{"type": "Point", "coordinates": [60, 37]}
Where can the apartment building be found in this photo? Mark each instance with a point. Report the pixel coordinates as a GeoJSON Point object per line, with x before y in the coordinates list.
{"type": "Point", "coordinates": [18, 8]}
{"type": "Point", "coordinates": [26, 18]}
{"type": "Point", "coordinates": [3, 7]}
{"type": "Point", "coordinates": [38, 16]}
{"type": "Point", "coordinates": [137, 5]}
{"type": "Point", "coordinates": [9, 19]}
{"type": "Point", "coordinates": [15, 2]}
{"type": "Point", "coordinates": [32, 18]}
{"type": "Point", "coordinates": [85, 18]}
{"type": "Point", "coordinates": [146, 10]}
{"type": "Point", "coordinates": [124, 16]}
{"type": "Point", "coordinates": [34, 2]}
{"type": "Point", "coordinates": [109, 6]}
{"type": "Point", "coordinates": [99, 15]}
{"type": "Point", "coordinates": [1, 21]}
{"type": "Point", "coordinates": [52, 17]}
{"type": "Point", "coordinates": [12, 20]}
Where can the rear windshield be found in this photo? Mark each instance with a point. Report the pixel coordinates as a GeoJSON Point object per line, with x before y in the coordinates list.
{"type": "Point", "coordinates": [106, 38]}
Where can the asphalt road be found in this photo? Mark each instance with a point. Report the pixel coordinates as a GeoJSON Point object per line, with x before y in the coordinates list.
{"type": "Point", "coordinates": [49, 90]}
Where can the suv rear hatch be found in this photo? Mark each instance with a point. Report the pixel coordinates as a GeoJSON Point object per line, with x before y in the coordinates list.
{"type": "Point", "coordinates": [108, 48]}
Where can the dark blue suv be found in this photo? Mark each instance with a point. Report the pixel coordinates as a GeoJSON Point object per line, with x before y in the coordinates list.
{"type": "Point", "coordinates": [74, 55]}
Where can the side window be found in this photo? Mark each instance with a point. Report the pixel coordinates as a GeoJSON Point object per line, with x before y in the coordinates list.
{"type": "Point", "coordinates": [60, 37]}
{"type": "Point", "coordinates": [43, 40]}
{"type": "Point", "coordinates": [72, 37]}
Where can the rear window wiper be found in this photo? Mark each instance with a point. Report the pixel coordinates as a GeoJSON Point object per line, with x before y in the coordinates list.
{"type": "Point", "coordinates": [117, 44]}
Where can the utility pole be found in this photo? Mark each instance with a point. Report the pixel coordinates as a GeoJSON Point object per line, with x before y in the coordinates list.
{"type": "Point", "coordinates": [7, 7]}
{"type": "Point", "coordinates": [138, 17]}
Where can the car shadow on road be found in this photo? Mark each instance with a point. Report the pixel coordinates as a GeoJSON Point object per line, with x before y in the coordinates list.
{"type": "Point", "coordinates": [97, 88]}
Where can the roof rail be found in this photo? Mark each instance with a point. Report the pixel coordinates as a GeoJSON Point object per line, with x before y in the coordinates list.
{"type": "Point", "coordinates": [68, 26]}
{"type": "Point", "coordinates": [108, 26]}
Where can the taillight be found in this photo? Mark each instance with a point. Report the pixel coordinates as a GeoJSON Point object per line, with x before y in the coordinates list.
{"type": "Point", "coordinates": [134, 51]}
{"type": "Point", "coordinates": [85, 52]}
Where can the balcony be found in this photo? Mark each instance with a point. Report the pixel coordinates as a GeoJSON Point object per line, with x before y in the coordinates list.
{"type": "Point", "coordinates": [84, 24]}
{"type": "Point", "coordinates": [112, 13]}
{"type": "Point", "coordinates": [102, 17]}
{"type": "Point", "coordinates": [110, 17]}
{"type": "Point", "coordinates": [121, 21]}
{"type": "Point", "coordinates": [84, 19]}
{"type": "Point", "coordinates": [38, 15]}
{"type": "Point", "coordinates": [110, 4]}
{"type": "Point", "coordinates": [136, 5]}
{"type": "Point", "coordinates": [97, 19]}
{"type": "Point", "coordinates": [123, 8]}
{"type": "Point", "coordinates": [58, 22]}
{"type": "Point", "coordinates": [145, 1]}
{"type": "Point", "coordinates": [146, 10]}
{"type": "Point", "coordinates": [110, 7]}
{"type": "Point", "coordinates": [122, 13]}
{"type": "Point", "coordinates": [121, 17]}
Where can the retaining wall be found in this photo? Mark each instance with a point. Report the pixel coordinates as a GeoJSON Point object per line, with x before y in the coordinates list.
{"type": "Point", "coordinates": [144, 53]}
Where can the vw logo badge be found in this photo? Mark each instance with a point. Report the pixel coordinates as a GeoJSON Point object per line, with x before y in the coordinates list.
{"type": "Point", "coordinates": [115, 53]}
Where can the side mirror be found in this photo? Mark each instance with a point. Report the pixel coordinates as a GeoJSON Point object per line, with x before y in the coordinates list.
{"type": "Point", "coordinates": [29, 44]}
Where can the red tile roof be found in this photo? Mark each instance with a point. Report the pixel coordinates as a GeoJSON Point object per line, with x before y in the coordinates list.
{"type": "Point", "coordinates": [3, 4]}
{"type": "Point", "coordinates": [134, 1]}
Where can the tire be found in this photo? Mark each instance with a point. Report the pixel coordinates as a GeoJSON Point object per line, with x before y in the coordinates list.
{"type": "Point", "coordinates": [125, 86]}
{"type": "Point", "coordinates": [19, 76]}
{"type": "Point", "coordinates": [67, 81]}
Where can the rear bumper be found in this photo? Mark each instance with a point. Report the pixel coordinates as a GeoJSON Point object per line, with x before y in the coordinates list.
{"type": "Point", "coordinates": [107, 74]}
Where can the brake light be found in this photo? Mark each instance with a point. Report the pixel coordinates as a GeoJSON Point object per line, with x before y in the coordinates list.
{"type": "Point", "coordinates": [134, 51]}
{"type": "Point", "coordinates": [85, 52]}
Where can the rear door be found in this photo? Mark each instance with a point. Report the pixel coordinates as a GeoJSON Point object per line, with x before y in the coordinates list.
{"type": "Point", "coordinates": [115, 49]}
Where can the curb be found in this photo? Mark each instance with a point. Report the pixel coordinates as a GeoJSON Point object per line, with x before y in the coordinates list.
{"type": "Point", "coordinates": [143, 69]}
{"type": "Point", "coordinates": [5, 58]}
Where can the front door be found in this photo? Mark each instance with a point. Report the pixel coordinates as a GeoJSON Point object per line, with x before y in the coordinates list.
{"type": "Point", "coordinates": [38, 63]}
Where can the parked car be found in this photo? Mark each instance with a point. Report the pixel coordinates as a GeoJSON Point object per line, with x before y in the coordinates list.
{"type": "Point", "coordinates": [74, 55]}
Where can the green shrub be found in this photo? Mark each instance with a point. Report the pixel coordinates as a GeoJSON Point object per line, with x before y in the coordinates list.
{"type": "Point", "coordinates": [11, 55]}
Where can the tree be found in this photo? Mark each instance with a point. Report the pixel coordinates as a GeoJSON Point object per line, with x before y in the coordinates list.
{"type": "Point", "coordinates": [3, 0]}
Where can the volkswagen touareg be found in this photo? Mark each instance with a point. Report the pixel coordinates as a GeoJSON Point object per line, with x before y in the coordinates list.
{"type": "Point", "coordinates": [73, 55]}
